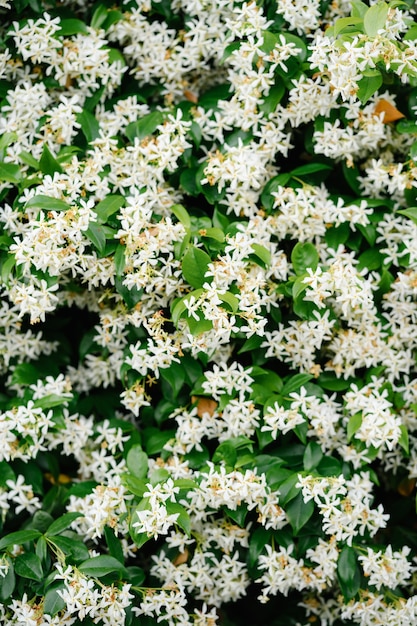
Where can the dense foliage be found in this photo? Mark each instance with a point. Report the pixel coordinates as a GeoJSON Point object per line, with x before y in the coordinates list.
{"type": "Point", "coordinates": [208, 251]}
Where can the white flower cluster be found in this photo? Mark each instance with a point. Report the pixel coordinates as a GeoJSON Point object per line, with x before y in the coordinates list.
{"type": "Point", "coordinates": [209, 191]}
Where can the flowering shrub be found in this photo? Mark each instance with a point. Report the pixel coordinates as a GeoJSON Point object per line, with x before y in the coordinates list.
{"type": "Point", "coordinates": [208, 258]}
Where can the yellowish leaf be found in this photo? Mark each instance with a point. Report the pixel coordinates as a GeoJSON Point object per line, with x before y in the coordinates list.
{"type": "Point", "coordinates": [391, 114]}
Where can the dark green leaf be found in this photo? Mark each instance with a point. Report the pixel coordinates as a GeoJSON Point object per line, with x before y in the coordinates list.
{"type": "Point", "coordinates": [299, 512]}
{"type": "Point", "coordinates": [312, 456]}
{"type": "Point", "coordinates": [6, 473]}
{"type": "Point", "coordinates": [287, 489]}
{"type": "Point", "coordinates": [183, 519]}
{"type": "Point", "coordinates": [73, 548]}
{"type": "Point", "coordinates": [145, 126]}
{"type": "Point", "coordinates": [72, 26]}
{"type": "Point", "coordinates": [62, 523]}
{"type": "Point", "coordinates": [89, 125]}
{"type": "Point", "coordinates": [107, 207]}
{"type": "Point", "coordinates": [18, 538]}
{"type": "Point", "coordinates": [295, 382]}
{"type": "Point", "coordinates": [96, 234]}
{"type": "Point", "coordinates": [259, 538]}
{"type": "Point", "coordinates": [29, 565]}
{"type": "Point", "coordinates": [310, 168]}
{"type": "Point", "coordinates": [155, 439]}
{"type": "Point", "coordinates": [348, 573]}
{"type": "Point", "coordinates": [101, 565]}
{"type": "Point", "coordinates": [53, 602]}
{"type": "Point", "coordinates": [114, 544]}
{"type": "Point", "coordinates": [48, 163]}
{"type": "Point", "coordinates": [7, 583]}
{"type": "Point", "coordinates": [225, 452]}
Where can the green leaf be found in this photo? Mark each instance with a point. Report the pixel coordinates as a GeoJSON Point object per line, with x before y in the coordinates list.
{"type": "Point", "coordinates": [155, 439]}
{"type": "Point", "coordinates": [5, 140]}
{"type": "Point", "coordinates": [179, 306]}
{"type": "Point", "coordinates": [28, 159]}
{"type": "Point", "coordinates": [368, 85]}
{"type": "Point", "coordinates": [174, 375]}
{"type": "Point", "coordinates": [253, 343]}
{"type": "Point", "coordinates": [47, 203]}
{"type": "Point", "coordinates": [53, 603]}
{"type": "Point", "coordinates": [89, 125]}
{"type": "Point", "coordinates": [137, 462]}
{"type": "Point", "coordinates": [375, 18]}
{"type": "Point", "coordinates": [145, 126]}
{"type": "Point", "coordinates": [120, 260]}
{"type": "Point", "coordinates": [262, 253]}
{"type": "Point", "coordinates": [40, 521]}
{"type": "Point", "coordinates": [225, 452]}
{"type": "Point", "coordinates": [303, 256]}
{"type": "Point", "coordinates": [299, 512]}
{"type": "Point", "coordinates": [96, 234]}
{"type": "Point", "coordinates": [99, 16]}
{"type": "Point", "coordinates": [312, 456]}
{"type": "Point", "coordinates": [359, 8]}
{"type": "Point", "coordinates": [73, 548]}
{"type": "Point", "coordinates": [404, 439]}
{"type": "Point", "coordinates": [271, 187]}
{"type": "Point", "coordinates": [194, 266]}
{"type": "Point", "coordinates": [7, 583]}
{"type": "Point", "coordinates": [99, 566]}
{"type": "Point", "coordinates": [346, 22]}
{"type": "Point", "coordinates": [310, 168]}
{"type": "Point", "coordinates": [348, 573]}
{"type": "Point", "coordinates": [114, 544]}
{"type": "Point", "coordinates": [406, 127]}
{"type": "Point", "coordinates": [230, 299]}
{"type": "Point", "coordinates": [48, 402]}
{"type": "Point", "coordinates": [259, 538]}
{"type": "Point", "coordinates": [288, 490]}
{"type": "Point", "coordinates": [411, 212]}
{"type": "Point", "coordinates": [107, 207]}
{"type": "Point", "coordinates": [181, 214]}
{"type": "Point", "coordinates": [371, 259]}
{"type": "Point", "coordinates": [134, 485]}
{"type": "Point", "coordinates": [62, 523]}
{"type": "Point", "coordinates": [213, 233]}
{"type": "Point", "coordinates": [329, 380]}
{"type": "Point", "coordinates": [354, 423]}
{"type": "Point", "coordinates": [295, 382]}
{"type": "Point", "coordinates": [72, 26]}
{"type": "Point", "coordinates": [7, 267]}
{"type": "Point", "coordinates": [135, 575]}
{"type": "Point", "coordinates": [18, 538]}
{"type": "Point", "coordinates": [10, 173]}
{"type": "Point", "coordinates": [29, 565]}
{"type": "Point", "coordinates": [48, 163]}
{"type": "Point", "coordinates": [183, 519]}
{"type": "Point", "coordinates": [6, 473]}
{"type": "Point", "coordinates": [238, 514]}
